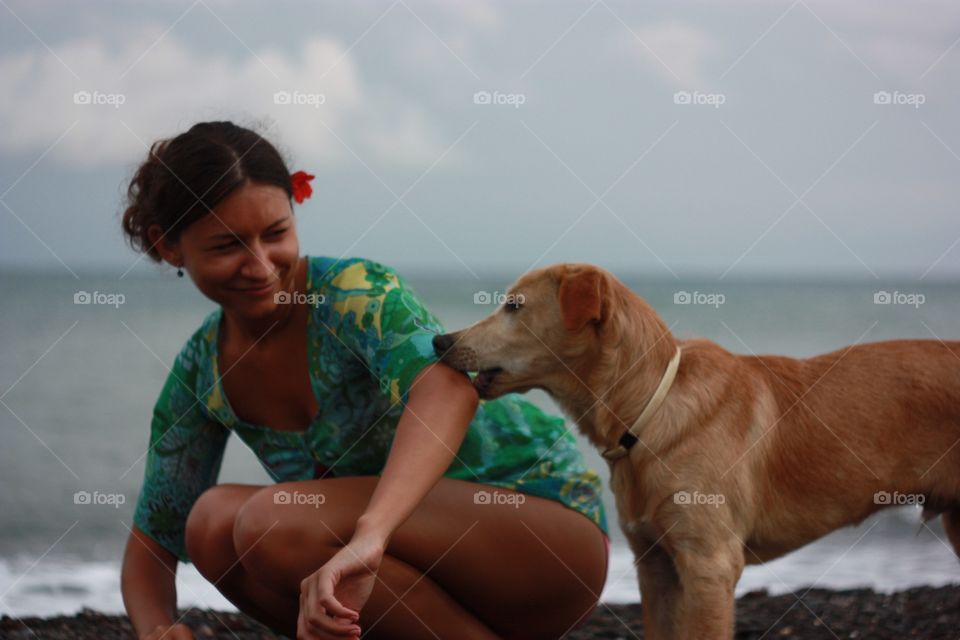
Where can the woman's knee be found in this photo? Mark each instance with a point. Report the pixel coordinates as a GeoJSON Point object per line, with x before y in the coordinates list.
{"type": "Point", "coordinates": [280, 517]}
{"type": "Point", "coordinates": [251, 522]}
{"type": "Point", "coordinates": [280, 540]}
{"type": "Point", "coordinates": [209, 526]}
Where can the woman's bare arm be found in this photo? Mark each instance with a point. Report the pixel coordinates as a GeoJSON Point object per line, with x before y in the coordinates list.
{"type": "Point", "coordinates": [442, 402]}
{"type": "Point", "coordinates": [148, 585]}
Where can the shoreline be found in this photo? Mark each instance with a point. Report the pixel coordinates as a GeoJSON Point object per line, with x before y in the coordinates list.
{"type": "Point", "coordinates": [920, 612]}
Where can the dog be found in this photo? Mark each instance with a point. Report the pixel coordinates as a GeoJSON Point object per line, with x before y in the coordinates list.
{"type": "Point", "coordinates": [716, 459]}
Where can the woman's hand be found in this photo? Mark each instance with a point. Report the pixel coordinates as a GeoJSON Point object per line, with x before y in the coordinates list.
{"type": "Point", "coordinates": [169, 632]}
{"type": "Point", "coordinates": [332, 596]}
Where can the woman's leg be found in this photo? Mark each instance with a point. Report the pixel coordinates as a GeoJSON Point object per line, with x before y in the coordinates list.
{"type": "Point", "coordinates": [209, 536]}
{"type": "Point", "coordinates": [210, 527]}
{"type": "Point", "coordinates": [525, 566]}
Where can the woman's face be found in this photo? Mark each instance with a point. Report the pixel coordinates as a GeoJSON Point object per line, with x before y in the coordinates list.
{"type": "Point", "coordinates": [245, 252]}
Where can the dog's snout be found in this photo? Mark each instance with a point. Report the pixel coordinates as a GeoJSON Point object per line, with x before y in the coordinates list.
{"type": "Point", "coordinates": [442, 342]}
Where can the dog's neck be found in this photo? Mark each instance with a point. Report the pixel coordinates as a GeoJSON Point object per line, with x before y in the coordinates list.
{"type": "Point", "coordinates": [612, 390]}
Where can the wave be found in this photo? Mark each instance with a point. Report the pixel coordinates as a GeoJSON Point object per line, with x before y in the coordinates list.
{"type": "Point", "coordinates": [851, 558]}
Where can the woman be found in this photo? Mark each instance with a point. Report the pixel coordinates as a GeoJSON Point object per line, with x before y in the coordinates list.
{"type": "Point", "coordinates": [403, 505]}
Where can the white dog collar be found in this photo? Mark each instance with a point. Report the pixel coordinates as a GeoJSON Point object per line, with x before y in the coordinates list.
{"type": "Point", "coordinates": [630, 437]}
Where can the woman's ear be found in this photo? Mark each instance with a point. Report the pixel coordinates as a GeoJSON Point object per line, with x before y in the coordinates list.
{"type": "Point", "coordinates": [170, 252]}
{"type": "Point", "coordinates": [581, 297]}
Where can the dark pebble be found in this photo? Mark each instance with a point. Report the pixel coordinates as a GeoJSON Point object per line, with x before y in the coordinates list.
{"type": "Point", "coordinates": [923, 612]}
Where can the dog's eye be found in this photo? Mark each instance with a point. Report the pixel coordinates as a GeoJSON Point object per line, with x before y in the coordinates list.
{"type": "Point", "coordinates": [512, 305]}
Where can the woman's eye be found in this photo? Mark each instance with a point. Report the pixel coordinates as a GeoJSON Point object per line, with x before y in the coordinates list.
{"type": "Point", "coordinates": [278, 232]}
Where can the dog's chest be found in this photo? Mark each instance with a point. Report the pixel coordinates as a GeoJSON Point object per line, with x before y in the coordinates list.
{"type": "Point", "coordinates": [640, 531]}
{"type": "Point", "coordinates": [634, 504]}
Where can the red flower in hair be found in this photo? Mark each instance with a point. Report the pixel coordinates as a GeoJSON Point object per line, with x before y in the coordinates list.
{"type": "Point", "coordinates": [300, 181]}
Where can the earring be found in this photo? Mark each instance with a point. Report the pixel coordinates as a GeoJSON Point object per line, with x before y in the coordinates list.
{"type": "Point", "coordinates": [179, 272]}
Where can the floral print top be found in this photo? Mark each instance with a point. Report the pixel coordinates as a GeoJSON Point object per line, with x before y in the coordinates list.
{"type": "Point", "coordinates": [369, 336]}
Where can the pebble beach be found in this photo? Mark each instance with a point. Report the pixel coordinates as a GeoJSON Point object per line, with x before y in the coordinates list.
{"type": "Point", "coordinates": [922, 612]}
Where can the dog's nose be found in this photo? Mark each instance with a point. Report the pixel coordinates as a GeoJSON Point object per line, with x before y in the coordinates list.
{"type": "Point", "coordinates": [441, 343]}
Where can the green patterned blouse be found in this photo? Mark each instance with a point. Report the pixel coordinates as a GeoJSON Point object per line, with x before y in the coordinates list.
{"type": "Point", "coordinates": [369, 336]}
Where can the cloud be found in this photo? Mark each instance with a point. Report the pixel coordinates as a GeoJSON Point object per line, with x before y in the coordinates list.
{"type": "Point", "coordinates": [676, 51]}
{"type": "Point", "coordinates": [478, 14]}
{"type": "Point", "coordinates": [899, 39]}
{"type": "Point", "coordinates": [408, 139]}
{"type": "Point", "coordinates": [154, 85]}
{"type": "Point", "coordinates": [901, 42]}
{"type": "Point", "coordinates": [897, 43]}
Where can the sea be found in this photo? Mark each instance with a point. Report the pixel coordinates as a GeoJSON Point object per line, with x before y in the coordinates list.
{"type": "Point", "coordinates": [82, 361]}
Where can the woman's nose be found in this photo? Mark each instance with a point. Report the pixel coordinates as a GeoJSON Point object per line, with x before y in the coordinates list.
{"type": "Point", "coordinates": [257, 265]}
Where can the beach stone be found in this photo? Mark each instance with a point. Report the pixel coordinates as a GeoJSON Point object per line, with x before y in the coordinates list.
{"type": "Point", "coordinates": [921, 612]}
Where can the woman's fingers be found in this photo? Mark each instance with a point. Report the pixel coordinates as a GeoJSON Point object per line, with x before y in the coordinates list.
{"type": "Point", "coordinates": [319, 630]}
{"type": "Point", "coordinates": [325, 584]}
{"type": "Point", "coordinates": [330, 604]}
{"type": "Point", "coordinates": [323, 626]}
{"type": "Point", "coordinates": [320, 618]}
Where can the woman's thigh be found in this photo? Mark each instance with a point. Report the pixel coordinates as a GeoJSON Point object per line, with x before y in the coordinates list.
{"type": "Point", "coordinates": [513, 559]}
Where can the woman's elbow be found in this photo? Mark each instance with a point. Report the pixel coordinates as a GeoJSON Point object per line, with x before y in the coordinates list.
{"type": "Point", "coordinates": [444, 382]}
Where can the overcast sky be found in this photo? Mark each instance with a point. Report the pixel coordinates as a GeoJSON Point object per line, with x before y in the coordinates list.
{"type": "Point", "coordinates": [725, 140]}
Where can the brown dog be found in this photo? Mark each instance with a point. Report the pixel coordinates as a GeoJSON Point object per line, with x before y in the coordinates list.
{"type": "Point", "coordinates": [743, 458]}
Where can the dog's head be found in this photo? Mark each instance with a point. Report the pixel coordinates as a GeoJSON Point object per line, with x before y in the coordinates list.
{"type": "Point", "coordinates": [551, 322]}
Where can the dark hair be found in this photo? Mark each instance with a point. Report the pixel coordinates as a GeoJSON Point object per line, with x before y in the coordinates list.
{"type": "Point", "coordinates": [184, 177]}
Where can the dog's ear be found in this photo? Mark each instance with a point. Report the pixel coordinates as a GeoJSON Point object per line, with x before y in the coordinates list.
{"type": "Point", "coordinates": [580, 297]}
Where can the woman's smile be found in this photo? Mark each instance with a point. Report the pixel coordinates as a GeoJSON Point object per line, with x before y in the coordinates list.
{"type": "Point", "coordinates": [257, 291]}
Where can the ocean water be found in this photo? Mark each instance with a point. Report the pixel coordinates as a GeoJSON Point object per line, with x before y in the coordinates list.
{"type": "Point", "coordinates": [78, 383]}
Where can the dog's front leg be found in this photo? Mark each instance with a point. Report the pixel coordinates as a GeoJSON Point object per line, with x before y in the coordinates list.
{"type": "Point", "coordinates": [660, 592]}
{"type": "Point", "coordinates": [705, 608]}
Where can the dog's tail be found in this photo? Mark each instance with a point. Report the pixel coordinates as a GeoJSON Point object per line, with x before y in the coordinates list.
{"type": "Point", "coordinates": [951, 525]}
